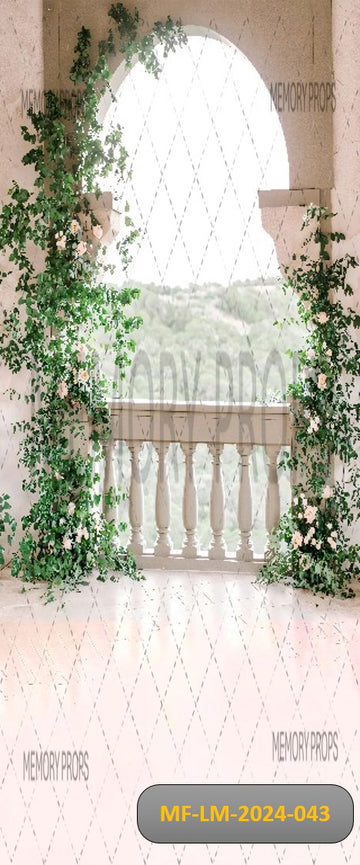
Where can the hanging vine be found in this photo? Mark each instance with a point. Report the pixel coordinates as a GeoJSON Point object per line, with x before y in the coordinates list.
{"type": "Point", "coordinates": [312, 546]}
{"type": "Point", "coordinates": [61, 304]}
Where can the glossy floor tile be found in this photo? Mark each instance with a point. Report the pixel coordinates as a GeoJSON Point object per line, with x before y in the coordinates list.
{"type": "Point", "coordinates": [182, 678]}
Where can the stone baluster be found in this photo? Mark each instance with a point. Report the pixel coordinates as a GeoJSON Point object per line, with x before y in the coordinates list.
{"type": "Point", "coordinates": [244, 551]}
{"type": "Point", "coordinates": [95, 456]}
{"type": "Point", "coordinates": [217, 546]}
{"type": "Point", "coordinates": [162, 503]}
{"type": "Point", "coordinates": [272, 509]}
{"type": "Point", "coordinates": [110, 511]}
{"type": "Point", "coordinates": [136, 501]}
{"type": "Point", "coordinates": [190, 505]}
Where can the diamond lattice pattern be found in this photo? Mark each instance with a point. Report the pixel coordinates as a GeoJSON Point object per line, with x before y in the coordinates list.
{"type": "Point", "coordinates": [202, 140]}
{"type": "Point", "coordinates": [180, 680]}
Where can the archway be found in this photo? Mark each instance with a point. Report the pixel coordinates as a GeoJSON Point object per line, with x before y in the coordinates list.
{"type": "Point", "coordinates": [202, 141]}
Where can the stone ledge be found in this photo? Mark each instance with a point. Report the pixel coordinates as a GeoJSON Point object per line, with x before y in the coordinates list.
{"type": "Point", "coordinates": [289, 197]}
{"type": "Point", "coordinates": [177, 562]}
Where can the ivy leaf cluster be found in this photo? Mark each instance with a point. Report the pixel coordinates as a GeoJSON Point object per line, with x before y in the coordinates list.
{"type": "Point", "coordinates": [311, 547]}
{"type": "Point", "coordinates": [53, 243]}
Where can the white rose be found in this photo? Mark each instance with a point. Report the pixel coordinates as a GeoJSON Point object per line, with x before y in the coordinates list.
{"type": "Point", "coordinates": [62, 389]}
{"type": "Point", "coordinates": [322, 317]}
{"type": "Point", "coordinates": [81, 247]}
{"type": "Point", "coordinates": [297, 540]}
{"type": "Point", "coordinates": [310, 513]}
{"type": "Point", "coordinates": [327, 492]}
{"type": "Point", "coordinates": [67, 543]}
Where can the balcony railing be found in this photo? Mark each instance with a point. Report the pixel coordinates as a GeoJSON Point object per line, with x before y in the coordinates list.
{"type": "Point", "coordinates": [215, 425]}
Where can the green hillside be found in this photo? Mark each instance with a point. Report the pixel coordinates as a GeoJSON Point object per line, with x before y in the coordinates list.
{"type": "Point", "coordinates": [209, 342]}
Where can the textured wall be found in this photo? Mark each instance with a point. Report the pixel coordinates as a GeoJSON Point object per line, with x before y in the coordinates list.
{"type": "Point", "coordinates": [285, 41]}
{"type": "Point", "coordinates": [21, 69]}
{"type": "Point", "coordinates": [346, 191]}
{"type": "Point", "coordinates": [346, 24]}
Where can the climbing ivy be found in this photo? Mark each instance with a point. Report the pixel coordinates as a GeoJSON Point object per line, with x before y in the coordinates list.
{"type": "Point", "coordinates": [312, 547]}
{"type": "Point", "coordinates": [53, 243]}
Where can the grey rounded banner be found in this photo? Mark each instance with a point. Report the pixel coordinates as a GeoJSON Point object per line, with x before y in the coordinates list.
{"type": "Point", "coordinates": [245, 813]}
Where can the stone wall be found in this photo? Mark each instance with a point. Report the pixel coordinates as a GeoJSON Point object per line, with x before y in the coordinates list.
{"type": "Point", "coordinates": [287, 42]}
{"type": "Point", "coordinates": [21, 71]}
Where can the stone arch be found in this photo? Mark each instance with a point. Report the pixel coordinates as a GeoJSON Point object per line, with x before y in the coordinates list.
{"type": "Point", "coordinates": [121, 73]}
{"type": "Point", "coordinates": [120, 77]}
{"type": "Point", "coordinates": [263, 33]}
{"type": "Point", "coordinates": [284, 43]}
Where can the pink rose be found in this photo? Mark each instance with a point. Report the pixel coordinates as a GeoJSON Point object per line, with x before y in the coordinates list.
{"type": "Point", "coordinates": [321, 381]}
{"type": "Point", "coordinates": [62, 389]}
{"type": "Point", "coordinates": [327, 492]}
{"type": "Point", "coordinates": [309, 535]}
{"type": "Point", "coordinates": [83, 375]}
{"type": "Point", "coordinates": [310, 513]}
{"type": "Point", "coordinates": [67, 543]}
{"type": "Point", "coordinates": [81, 247]}
{"type": "Point", "coordinates": [297, 540]}
{"type": "Point", "coordinates": [322, 317]}
{"type": "Point", "coordinates": [60, 240]}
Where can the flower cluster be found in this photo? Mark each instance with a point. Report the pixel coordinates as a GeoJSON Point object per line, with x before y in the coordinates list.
{"type": "Point", "coordinates": [67, 300]}
{"type": "Point", "coordinates": [310, 548]}
{"type": "Point", "coordinates": [78, 374]}
{"type": "Point", "coordinates": [313, 530]}
{"type": "Point", "coordinates": [81, 532]}
{"type": "Point", "coordinates": [73, 240]}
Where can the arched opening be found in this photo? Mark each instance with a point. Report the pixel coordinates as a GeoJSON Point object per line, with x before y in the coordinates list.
{"type": "Point", "coordinates": [202, 140]}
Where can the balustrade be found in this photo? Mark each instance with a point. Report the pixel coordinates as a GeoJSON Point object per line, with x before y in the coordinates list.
{"type": "Point", "coordinates": [189, 425]}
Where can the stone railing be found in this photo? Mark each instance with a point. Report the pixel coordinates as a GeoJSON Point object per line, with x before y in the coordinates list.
{"type": "Point", "coordinates": [243, 426]}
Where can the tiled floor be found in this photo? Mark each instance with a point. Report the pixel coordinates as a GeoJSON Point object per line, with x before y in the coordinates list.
{"type": "Point", "coordinates": [182, 678]}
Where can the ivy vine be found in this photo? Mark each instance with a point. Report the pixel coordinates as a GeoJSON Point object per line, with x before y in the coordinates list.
{"type": "Point", "coordinates": [312, 546]}
{"type": "Point", "coordinates": [61, 304]}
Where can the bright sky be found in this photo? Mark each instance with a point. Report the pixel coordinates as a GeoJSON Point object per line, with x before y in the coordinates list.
{"type": "Point", "coordinates": [202, 140]}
